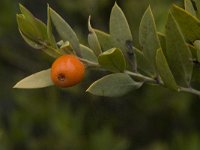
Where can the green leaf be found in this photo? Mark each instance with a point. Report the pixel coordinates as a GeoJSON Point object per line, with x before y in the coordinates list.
{"type": "Point", "coordinates": [27, 28]}
{"type": "Point", "coordinates": [50, 35]}
{"type": "Point", "coordinates": [148, 38]}
{"type": "Point", "coordinates": [197, 46]}
{"type": "Point", "coordinates": [178, 54]}
{"type": "Point", "coordinates": [164, 71]}
{"type": "Point", "coordinates": [40, 27]}
{"type": "Point", "coordinates": [66, 47]}
{"type": "Point", "coordinates": [119, 28]}
{"type": "Point", "coordinates": [88, 54]}
{"type": "Point", "coordinates": [30, 42]}
{"type": "Point", "coordinates": [114, 85]}
{"type": "Point", "coordinates": [34, 32]}
{"type": "Point", "coordinates": [189, 25]}
{"type": "Point", "coordinates": [189, 7]}
{"type": "Point", "coordinates": [27, 13]}
{"type": "Point", "coordinates": [93, 40]}
{"type": "Point", "coordinates": [113, 60]}
{"type": "Point", "coordinates": [29, 19]}
{"type": "Point", "coordinates": [104, 39]}
{"type": "Point", "coordinates": [47, 49]}
{"type": "Point", "coordinates": [38, 80]}
{"type": "Point", "coordinates": [65, 31]}
{"type": "Point", "coordinates": [120, 33]}
{"type": "Point", "coordinates": [142, 63]}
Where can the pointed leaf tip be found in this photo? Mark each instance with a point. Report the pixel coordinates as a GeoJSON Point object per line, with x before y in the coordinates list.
{"type": "Point", "coordinates": [188, 23]}
{"type": "Point", "coordinates": [65, 31]}
{"type": "Point", "coordinates": [120, 33]}
{"type": "Point", "coordinates": [148, 38]}
{"type": "Point", "coordinates": [37, 80]}
{"type": "Point", "coordinates": [93, 40]}
{"type": "Point", "coordinates": [178, 53]}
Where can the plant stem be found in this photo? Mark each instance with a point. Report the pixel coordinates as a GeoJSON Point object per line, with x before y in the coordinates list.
{"type": "Point", "coordinates": [190, 90]}
{"type": "Point", "coordinates": [148, 79]}
{"type": "Point", "coordinates": [145, 78]}
{"type": "Point", "coordinates": [138, 75]}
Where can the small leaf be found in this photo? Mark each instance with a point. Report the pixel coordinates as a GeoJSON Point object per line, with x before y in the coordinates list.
{"type": "Point", "coordinates": [66, 47]}
{"type": "Point", "coordinates": [88, 54]}
{"type": "Point", "coordinates": [148, 38]}
{"type": "Point", "coordinates": [189, 7]}
{"type": "Point", "coordinates": [30, 19]}
{"type": "Point", "coordinates": [38, 80]}
{"type": "Point", "coordinates": [93, 40]}
{"type": "Point", "coordinates": [178, 54]}
{"type": "Point", "coordinates": [27, 28]}
{"type": "Point", "coordinates": [28, 32]}
{"type": "Point", "coordinates": [34, 32]}
{"type": "Point", "coordinates": [189, 25]}
{"type": "Point", "coordinates": [197, 46]}
{"type": "Point", "coordinates": [65, 31]}
{"type": "Point", "coordinates": [30, 42]}
{"type": "Point", "coordinates": [164, 71]}
{"type": "Point", "coordinates": [121, 35]}
{"type": "Point", "coordinates": [51, 38]}
{"type": "Point", "coordinates": [113, 60]}
{"type": "Point", "coordinates": [104, 39]}
{"type": "Point", "coordinates": [114, 85]}
{"type": "Point", "coordinates": [47, 49]}
{"type": "Point", "coordinates": [36, 23]}
{"type": "Point", "coordinates": [28, 15]}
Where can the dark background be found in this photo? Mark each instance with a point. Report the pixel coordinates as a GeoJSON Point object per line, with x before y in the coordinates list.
{"type": "Point", "coordinates": [151, 118]}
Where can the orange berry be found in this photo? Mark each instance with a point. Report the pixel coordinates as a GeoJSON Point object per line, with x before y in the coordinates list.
{"type": "Point", "coordinates": [67, 71]}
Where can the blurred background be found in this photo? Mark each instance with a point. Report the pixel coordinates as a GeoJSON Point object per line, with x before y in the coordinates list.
{"type": "Point", "coordinates": [151, 118]}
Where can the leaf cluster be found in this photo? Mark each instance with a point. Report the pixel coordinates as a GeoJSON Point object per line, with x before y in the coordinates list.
{"type": "Point", "coordinates": [169, 59]}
